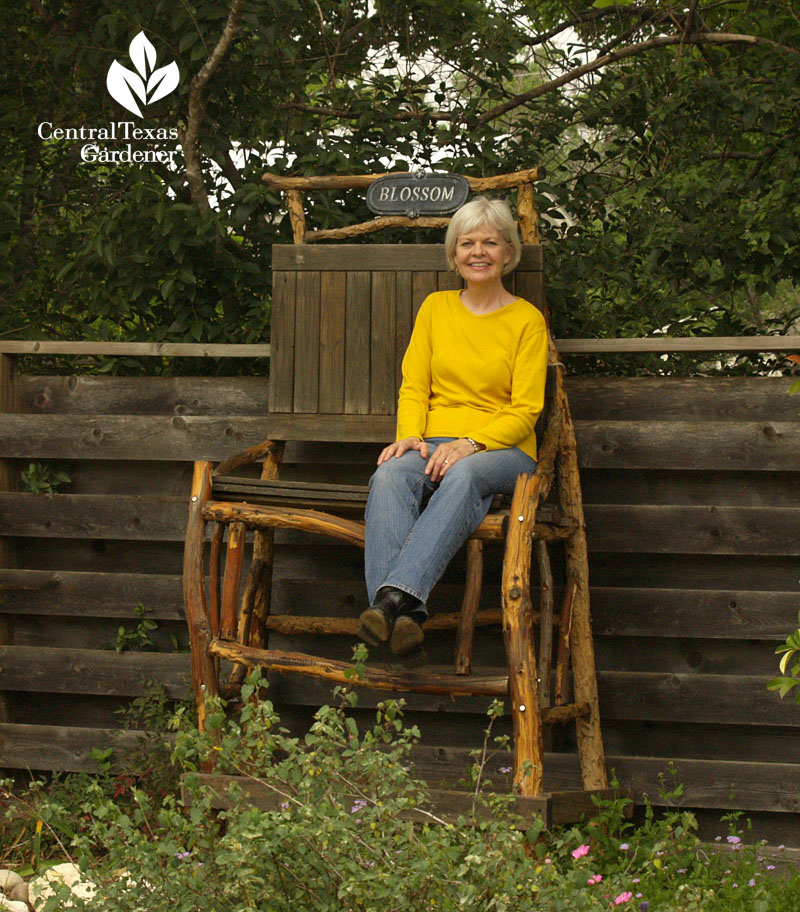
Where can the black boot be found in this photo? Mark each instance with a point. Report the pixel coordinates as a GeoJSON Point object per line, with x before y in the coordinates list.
{"type": "Point", "coordinates": [394, 617]}
{"type": "Point", "coordinates": [376, 624]}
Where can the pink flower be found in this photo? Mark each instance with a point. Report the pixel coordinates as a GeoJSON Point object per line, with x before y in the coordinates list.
{"type": "Point", "coordinates": [595, 880]}
{"type": "Point", "coordinates": [623, 898]}
{"type": "Point", "coordinates": [580, 851]}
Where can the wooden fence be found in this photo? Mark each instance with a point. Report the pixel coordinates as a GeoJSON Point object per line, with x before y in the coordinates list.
{"type": "Point", "coordinates": [692, 489]}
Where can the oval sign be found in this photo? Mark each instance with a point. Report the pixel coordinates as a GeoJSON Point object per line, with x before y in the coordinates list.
{"type": "Point", "coordinates": [413, 195]}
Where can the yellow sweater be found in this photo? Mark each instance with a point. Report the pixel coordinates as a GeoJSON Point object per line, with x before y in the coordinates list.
{"type": "Point", "coordinates": [469, 375]}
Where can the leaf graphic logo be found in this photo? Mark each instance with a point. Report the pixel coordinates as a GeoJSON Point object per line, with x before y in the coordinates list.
{"type": "Point", "coordinates": [147, 84]}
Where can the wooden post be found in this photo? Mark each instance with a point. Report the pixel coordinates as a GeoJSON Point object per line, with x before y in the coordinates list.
{"type": "Point", "coordinates": [527, 214]}
{"type": "Point", "coordinates": [204, 678]}
{"type": "Point", "coordinates": [8, 403]}
{"type": "Point", "coordinates": [545, 621]}
{"type": "Point", "coordinates": [519, 640]}
{"type": "Point", "coordinates": [263, 552]}
{"type": "Point", "coordinates": [590, 737]}
{"type": "Point", "coordinates": [297, 215]}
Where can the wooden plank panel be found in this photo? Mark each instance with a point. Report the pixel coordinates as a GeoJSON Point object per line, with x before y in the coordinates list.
{"type": "Point", "coordinates": [688, 487]}
{"type": "Point", "coordinates": [332, 342]}
{"type": "Point", "coordinates": [282, 339]}
{"type": "Point", "coordinates": [707, 613]}
{"type": "Point", "coordinates": [732, 699]}
{"type": "Point", "coordinates": [654, 697]}
{"type": "Point", "coordinates": [102, 395]}
{"type": "Point", "coordinates": [383, 331]}
{"type": "Point", "coordinates": [97, 595]}
{"type": "Point", "coordinates": [93, 516]}
{"type": "Point", "coordinates": [93, 671]}
{"type": "Point", "coordinates": [306, 344]}
{"type": "Point", "coordinates": [59, 747]}
{"type": "Point", "coordinates": [404, 325]}
{"type": "Point", "coordinates": [378, 257]}
{"type": "Point", "coordinates": [693, 530]}
{"type": "Point", "coordinates": [682, 398]}
{"type": "Point", "coordinates": [447, 281]}
{"type": "Point", "coordinates": [530, 286]}
{"type": "Point", "coordinates": [357, 357]}
{"type": "Point", "coordinates": [725, 445]}
{"type": "Point", "coordinates": [134, 437]}
{"type": "Point", "coordinates": [422, 284]}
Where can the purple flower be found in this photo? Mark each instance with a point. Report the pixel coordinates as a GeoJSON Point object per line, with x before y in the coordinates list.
{"type": "Point", "coordinates": [358, 805]}
{"type": "Point", "coordinates": [751, 882]}
{"type": "Point", "coordinates": [644, 906]}
{"type": "Point", "coordinates": [505, 769]}
{"type": "Point", "coordinates": [623, 847]}
{"type": "Point", "coordinates": [734, 840]}
{"type": "Point", "coordinates": [183, 855]}
{"type": "Point", "coordinates": [284, 805]}
{"type": "Point", "coordinates": [770, 867]}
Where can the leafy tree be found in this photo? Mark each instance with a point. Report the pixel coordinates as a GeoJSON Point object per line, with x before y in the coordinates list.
{"type": "Point", "coordinates": [669, 132]}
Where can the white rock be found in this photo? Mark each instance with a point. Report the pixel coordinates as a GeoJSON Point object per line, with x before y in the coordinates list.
{"type": "Point", "coordinates": [20, 893]}
{"type": "Point", "coordinates": [41, 889]}
{"type": "Point", "coordinates": [9, 880]}
{"type": "Point", "coordinates": [11, 905]}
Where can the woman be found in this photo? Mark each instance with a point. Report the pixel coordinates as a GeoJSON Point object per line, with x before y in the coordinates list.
{"type": "Point", "coordinates": [473, 387]}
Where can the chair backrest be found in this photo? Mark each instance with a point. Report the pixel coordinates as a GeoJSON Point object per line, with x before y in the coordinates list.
{"type": "Point", "coordinates": [341, 321]}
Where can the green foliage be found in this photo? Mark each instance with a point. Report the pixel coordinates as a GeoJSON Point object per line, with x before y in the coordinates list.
{"type": "Point", "coordinates": [338, 835]}
{"type": "Point", "coordinates": [671, 203]}
{"type": "Point", "coordinates": [138, 639]}
{"type": "Point", "coordinates": [43, 478]}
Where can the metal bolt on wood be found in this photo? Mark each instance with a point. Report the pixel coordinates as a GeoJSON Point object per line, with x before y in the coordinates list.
{"type": "Point", "coordinates": [522, 707]}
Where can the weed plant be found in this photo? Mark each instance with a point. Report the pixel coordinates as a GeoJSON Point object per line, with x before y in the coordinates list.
{"type": "Point", "coordinates": [350, 827]}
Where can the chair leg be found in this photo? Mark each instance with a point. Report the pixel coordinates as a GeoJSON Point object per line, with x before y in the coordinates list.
{"type": "Point", "coordinates": [590, 738]}
{"type": "Point", "coordinates": [469, 607]}
{"type": "Point", "coordinates": [519, 639]}
{"type": "Point", "coordinates": [204, 679]}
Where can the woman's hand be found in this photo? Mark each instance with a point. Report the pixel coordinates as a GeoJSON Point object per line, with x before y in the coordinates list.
{"type": "Point", "coordinates": [400, 446]}
{"type": "Point", "coordinates": [445, 455]}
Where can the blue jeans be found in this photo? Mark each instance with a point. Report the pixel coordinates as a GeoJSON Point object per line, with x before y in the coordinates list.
{"type": "Point", "coordinates": [409, 549]}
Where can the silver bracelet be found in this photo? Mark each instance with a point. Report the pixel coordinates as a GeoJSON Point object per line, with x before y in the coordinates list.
{"type": "Point", "coordinates": [475, 445]}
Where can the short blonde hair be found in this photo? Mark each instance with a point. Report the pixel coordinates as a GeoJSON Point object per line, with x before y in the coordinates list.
{"type": "Point", "coordinates": [483, 211]}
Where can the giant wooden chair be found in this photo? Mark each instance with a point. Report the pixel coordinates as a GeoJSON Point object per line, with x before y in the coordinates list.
{"type": "Point", "coordinates": [340, 310]}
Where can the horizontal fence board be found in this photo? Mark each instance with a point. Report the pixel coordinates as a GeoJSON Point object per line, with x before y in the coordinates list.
{"type": "Point", "coordinates": [136, 349]}
{"type": "Point", "coordinates": [591, 398]}
{"type": "Point", "coordinates": [687, 487]}
{"type": "Point", "coordinates": [682, 398]}
{"type": "Point", "coordinates": [728, 785]}
{"type": "Point", "coordinates": [693, 530]}
{"type": "Point", "coordinates": [135, 437]}
{"type": "Point", "coordinates": [725, 445]}
{"type": "Point", "coordinates": [643, 612]}
{"type": "Point", "coordinates": [98, 595]}
{"type": "Point", "coordinates": [688, 613]}
{"type": "Point", "coordinates": [92, 671]}
{"type": "Point", "coordinates": [379, 257]}
{"type": "Point", "coordinates": [759, 446]}
{"type": "Point", "coordinates": [98, 395]}
{"type": "Point", "coordinates": [60, 747]}
{"type": "Point", "coordinates": [632, 528]}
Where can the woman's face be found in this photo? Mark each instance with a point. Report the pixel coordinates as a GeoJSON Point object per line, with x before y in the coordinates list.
{"type": "Point", "coordinates": [482, 255]}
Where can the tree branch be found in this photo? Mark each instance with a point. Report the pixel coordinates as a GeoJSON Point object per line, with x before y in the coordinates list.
{"type": "Point", "coordinates": [632, 50]}
{"type": "Point", "coordinates": [191, 135]}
